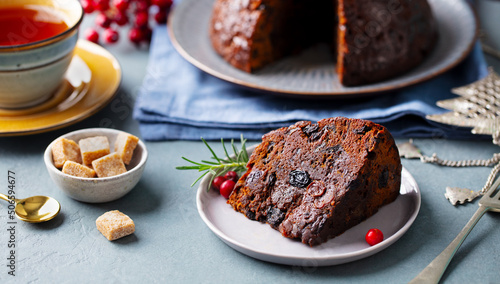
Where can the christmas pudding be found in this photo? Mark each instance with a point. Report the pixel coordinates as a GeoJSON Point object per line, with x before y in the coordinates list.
{"type": "Point", "coordinates": [372, 40]}
{"type": "Point", "coordinates": [313, 182]}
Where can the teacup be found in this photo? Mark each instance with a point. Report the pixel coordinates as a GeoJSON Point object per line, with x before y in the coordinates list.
{"type": "Point", "coordinates": [37, 41]}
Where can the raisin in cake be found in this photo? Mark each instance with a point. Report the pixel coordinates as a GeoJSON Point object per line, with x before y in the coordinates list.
{"type": "Point", "coordinates": [314, 181]}
{"type": "Point", "coordinates": [374, 39]}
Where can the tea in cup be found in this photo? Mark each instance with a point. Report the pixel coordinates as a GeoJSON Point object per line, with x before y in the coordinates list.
{"type": "Point", "coordinates": [37, 40]}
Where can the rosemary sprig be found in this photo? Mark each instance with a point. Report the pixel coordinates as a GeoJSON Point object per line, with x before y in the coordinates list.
{"type": "Point", "coordinates": [237, 162]}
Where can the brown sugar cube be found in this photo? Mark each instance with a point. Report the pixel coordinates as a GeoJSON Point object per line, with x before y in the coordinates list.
{"type": "Point", "coordinates": [125, 145]}
{"type": "Point", "coordinates": [65, 150]}
{"type": "Point", "coordinates": [93, 148]}
{"type": "Point", "coordinates": [78, 170]}
{"type": "Point", "coordinates": [109, 165]}
{"type": "Point", "coordinates": [114, 225]}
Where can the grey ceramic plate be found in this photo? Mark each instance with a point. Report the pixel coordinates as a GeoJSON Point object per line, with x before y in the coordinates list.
{"type": "Point", "coordinates": [260, 241]}
{"type": "Point", "coordinates": [311, 73]}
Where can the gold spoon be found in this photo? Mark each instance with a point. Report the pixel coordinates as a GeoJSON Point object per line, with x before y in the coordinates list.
{"type": "Point", "coordinates": [35, 209]}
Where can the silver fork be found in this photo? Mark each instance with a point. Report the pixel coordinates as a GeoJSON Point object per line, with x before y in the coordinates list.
{"type": "Point", "coordinates": [435, 270]}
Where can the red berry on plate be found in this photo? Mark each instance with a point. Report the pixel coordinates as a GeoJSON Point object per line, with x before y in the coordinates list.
{"type": "Point", "coordinates": [121, 5]}
{"type": "Point", "coordinates": [226, 188]}
{"type": "Point", "coordinates": [102, 20]}
{"type": "Point", "coordinates": [231, 175]}
{"type": "Point", "coordinates": [88, 6]}
{"type": "Point", "coordinates": [141, 19]}
{"type": "Point", "coordinates": [374, 236]}
{"type": "Point", "coordinates": [92, 35]}
{"type": "Point", "coordinates": [218, 181]}
{"type": "Point", "coordinates": [110, 35]}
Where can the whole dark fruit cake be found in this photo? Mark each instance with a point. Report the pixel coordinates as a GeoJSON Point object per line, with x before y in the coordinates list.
{"type": "Point", "coordinates": [313, 182]}
{"type": "Point", "coordinates": [373, 40]}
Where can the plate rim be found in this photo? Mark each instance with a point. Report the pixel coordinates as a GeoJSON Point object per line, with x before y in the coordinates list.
{"type": "Point", "coordinates": [325, 260]}
{"type": "Point", "coordinates": [83, 46]}
{"type": "Point", "coordinates": [355, 93]}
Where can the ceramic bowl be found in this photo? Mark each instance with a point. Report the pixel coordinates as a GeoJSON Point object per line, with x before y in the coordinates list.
{"type": "Point", "coordinates": [30, 73]}
{"type": "Point", "coordinates": [98, 190]}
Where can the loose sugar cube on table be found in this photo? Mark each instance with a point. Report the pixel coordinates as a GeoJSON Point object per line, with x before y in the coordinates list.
{"type": "Point", "coordinates": [125, 145]}
{"type": "Point", "coordinates": [65, 150]}
{"type": "Point", "coordinates": [114, 225]}
{"type": "Point", "coordinates": [109, 165]}
{"type": "Point", "coordinates": [93, 148]}
{"type": "Point", "coordinates": [78, 170]}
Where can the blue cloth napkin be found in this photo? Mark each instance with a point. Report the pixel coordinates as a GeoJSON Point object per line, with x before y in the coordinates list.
{"type": "Point", "coordinates": [179, 101]}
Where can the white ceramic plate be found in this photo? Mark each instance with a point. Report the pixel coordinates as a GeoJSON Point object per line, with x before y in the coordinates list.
{"type": "Point", "coordinates": [311, 73]}
{"type": "Point", "coordinates": [260, 241]}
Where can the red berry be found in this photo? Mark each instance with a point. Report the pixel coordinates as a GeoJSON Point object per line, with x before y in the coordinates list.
{"type": "Point", "coordinates": [216, 183]}
{"type": "Point", "coordinates": [226, 188]}
{"type": "Point", "coordinates": [121, 5]}
{"type": "Point", "coordinates": [92, 35]}
{"type": "Point", "coordinates": [103, 20]}
{"type": "Point", "coordinates": [161, 17]}
{"type": "Point", "coordinates": [374, 236]}
{"type": "Point", "coordinates": [141, 19]}
{"type": "Point", "coordinates": [162, 3]}
{"type": "Point", "coordinates": [101, 5]}
{"type": "Point", "coordinates": [121, 19]}
{"type": "Point", "coordinates": [141, 6]}
{"type": "Point", "coordinates": [88, 6]}
{"type": "Point", "coordinates": [110, 35]}
{"type": "Point", "coordinates": [231, 175]}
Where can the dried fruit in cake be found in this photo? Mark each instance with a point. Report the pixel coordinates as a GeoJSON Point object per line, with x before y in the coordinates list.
{"type": "Point", "coordinates": [312, 182]}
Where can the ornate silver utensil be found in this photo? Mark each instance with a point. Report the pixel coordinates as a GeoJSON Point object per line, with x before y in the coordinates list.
{"type": "Point", "coordinates": [434, 271]}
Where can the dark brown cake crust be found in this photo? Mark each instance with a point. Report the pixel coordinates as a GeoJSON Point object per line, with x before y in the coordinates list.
{"type": "Point", "coordinates": [375, 39]}
{"type": "Point", "coordinates": [380, 39]}
{"type": "Point", "coordinates": [314, 181]}
{"type": "Point", "coordinates": [250, 34]}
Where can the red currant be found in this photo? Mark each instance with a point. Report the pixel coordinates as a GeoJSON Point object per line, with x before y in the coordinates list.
{"type": "Point", "coordinates": [226, 188]}
{"type": "Point", "coordinates": [374, 236]}
{"type": "Point", "coordinates": [121, 19]}
{"type": "Point", "coordinates": [88, 6]}
{"type": "Point", "coordinates": [101, 5]}
{"type": "Point", "coordinates": [217, 182]}
{"type": "Point", "coordinates": [103, 20]}
{"type": "Point", "coordinates": [231, 175]}
{"type": "Point", "coordinates": [141, 6]}
{"type": "Point", "coordinates": [92, 35]}
{"type": "Point", "coordinates": [110, 35]}
{"type": "Point", "coordinates": [162, 3]}
{"type": "Point", "coordinates": [141, 19]}
{"type": "Point", "coordinates": [121, 5]}
{"type": "Point", "coordinates": [161, 17]}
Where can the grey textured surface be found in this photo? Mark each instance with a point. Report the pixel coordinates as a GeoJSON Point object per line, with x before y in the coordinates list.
{"type": "Point", "coordinates": [173, 245]}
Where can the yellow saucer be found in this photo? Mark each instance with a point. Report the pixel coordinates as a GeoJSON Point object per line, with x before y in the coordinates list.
{"type": "Point", "coordinates": [91, 83]}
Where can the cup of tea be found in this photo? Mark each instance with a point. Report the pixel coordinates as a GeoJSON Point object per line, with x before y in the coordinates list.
{"type": "Point", "coordinates": [37, 40]}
